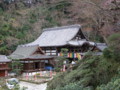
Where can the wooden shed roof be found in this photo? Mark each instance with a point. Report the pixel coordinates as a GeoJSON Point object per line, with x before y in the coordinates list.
{"type": "Point", "coordinates": [23, 52]}
{"type": "Point", "coordinates": [4, 58]}
{"type": "Point", "coordinates": [101, 46]}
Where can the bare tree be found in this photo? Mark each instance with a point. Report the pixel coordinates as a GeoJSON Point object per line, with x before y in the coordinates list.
{"type": "Point", "coordinates": [106, 19]}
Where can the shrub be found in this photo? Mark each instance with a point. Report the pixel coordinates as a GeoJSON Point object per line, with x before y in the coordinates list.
{"type": "Point", "coordinates": [83, 74]}
{"type": "Point", "coordinates": [16, 66]}
{"type": "Point", "coordinates": [114, 47]}
{"type": "Point", "coordinates": [20, 5]}
{"type": "Point", "coordinates": [31, 20]}
{"type": "Point", "coordinates": [20, 35]}
{"type": "Point", "coordinates": [91, 72]}
{"type": "Point", "coordinates": [3, 49]}
{"type": "Point", "coordinates": [61, 6]}
{"type": "Point", "coordinates": [26, 27]}
{"type": "Point", "coordinates": [33, 17]}
{"type": "Point", "coordinates": [107, 53]}
{"type": "Point", "coordinates": [1, 11]}
{"type": "Point", "coordinates": [113, 85]}
{"type": "Point", "coordinates": [73, 86]}
{"type": "Point", "coordinates": [57, 82]}
{"type": "Point", "coordinates": [114, 40]}
{"type": "Point", "coordinates": [61, 59]}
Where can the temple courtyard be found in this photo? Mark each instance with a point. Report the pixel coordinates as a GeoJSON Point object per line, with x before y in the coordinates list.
{"type": "Point", "coordinates": [31, 86]}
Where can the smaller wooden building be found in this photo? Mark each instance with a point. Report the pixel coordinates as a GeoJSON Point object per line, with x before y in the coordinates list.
{"type": "Point", "coordinates": [100, 47]}
{"type": "Point", "coordinates": [33, 58]}
{"type": "Point", "coordinates": [4, 65]}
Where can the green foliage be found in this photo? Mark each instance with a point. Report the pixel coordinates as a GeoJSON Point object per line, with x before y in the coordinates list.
{"type": "Point", "coordinates": [3, 49]}
{"type": "Point", "coordinates": [74, 86]}
{"type": "Point", "coordinates": [105, 70]}
{"type": "Point", "coordinates": [10, 34]}
{"type": "Point", "coordinates": [20, 35]}
{"type": "Point", "coordinates": [64, 51]}
{"type": "Point", "coordinates": [50, 20]}
{"type": "Point", "coordinates": [114, 47]}
{"type": "Point", "coordinates": [113, 85]}
{"type": "Point", "coordinates": [22, 31]}
{"type": "Point", "coordinates": [50, 24]}
{"type": "Point", "coordinates": [53, 20]}
{"type": "Point", "coordinates": [5, 29]}
{"type": "Point", "coordinates": [16, 66]}
{"type": "Point", "coordinates": [60, 61]}
{"type": "Point", "coordinates": [61, 6]}
{"type": "Point", "coordinates": [114, 40]}
{"type": "Point", "coordinates": [17, 86]}
{"type": "Point", "coordinates": [17, 21]}
{"type": "Point", "coordinates": [1, 10]}
{"type": "Point", "coordinates": [107, 53]}
{"type": "Point", "coordinates": [20, 5]}
{"type": "Point", "coordinates": [83, 75]}
{"type": "Point", "coordinates": [33, 17]}
{"type": "Point", "coordinates": [90, 72]}
{"type": "Point", "coordinates": [59, 64]}
{"type": "Point", "coordinates": [2, 81]}
{"type": "Point", "coordinates": [56, 82]}
{"type": "Point", "coordinates": [26, 27]}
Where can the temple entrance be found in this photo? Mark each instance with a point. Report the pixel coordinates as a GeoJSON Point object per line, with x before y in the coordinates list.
{"type": "Point", "coordinates": [2, 73]}
{"type": "Point", "coordinates": [37, 66]}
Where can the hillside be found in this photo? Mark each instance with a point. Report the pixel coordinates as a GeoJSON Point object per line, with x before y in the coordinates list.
{"type": "Point", "coordinates": [22, 22]}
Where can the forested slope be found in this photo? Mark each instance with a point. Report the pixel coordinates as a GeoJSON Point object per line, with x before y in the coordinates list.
{"type": "Point", "coordinates": [92, 72]}
{"type": "Point", "coordinates": [21, 21]}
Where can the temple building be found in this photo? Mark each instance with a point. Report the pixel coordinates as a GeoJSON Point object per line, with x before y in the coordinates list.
{"type": "Point", "coordinates": [32, 57]}
{"type": "Point", "coordinates": [52, 40]}
{"type": "Point", "coordinates": [4, 65]}
{"type": "Point", "coordinates": [40, 53]}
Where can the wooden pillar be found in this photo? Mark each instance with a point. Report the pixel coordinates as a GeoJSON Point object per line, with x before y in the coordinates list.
{"type": "Point", "coordinates": [50, 51]}
{"type": "Point", "coordinates": [33, 65]}
{"type": "Point", "coordinates": [40, 65]}
{"type": "Point", "coordinates": [28, 64]}
{"type": "Point", "coordinates": [6, 73]}
{"type": "Point", "coordinates": [44, 49]}
{"type": "Point", "coordinates": [56, 51]}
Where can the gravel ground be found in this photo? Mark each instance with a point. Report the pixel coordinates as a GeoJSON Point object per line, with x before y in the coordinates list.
{"type": "Point", "coordinates": [31, 86]}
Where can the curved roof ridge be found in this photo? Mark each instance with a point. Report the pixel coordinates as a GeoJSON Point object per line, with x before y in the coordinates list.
{"type": "Point", "coordinates": [24, 45]}
{"type": "Point", "coordinates": [56, 36]}
{"type": "Point", "coordinates": [62, 27]}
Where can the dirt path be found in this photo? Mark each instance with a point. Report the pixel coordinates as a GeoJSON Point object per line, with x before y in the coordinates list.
{"type": "Point", "coordinates": [31, 86]}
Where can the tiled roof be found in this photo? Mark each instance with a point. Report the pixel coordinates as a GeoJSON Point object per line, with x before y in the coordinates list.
{"type": "Point", "coordinates": [58, 36]}
{"type": "Point", "coordinates": [4, 58]}
{"type": "Point", "coordinates": [23, 52]}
